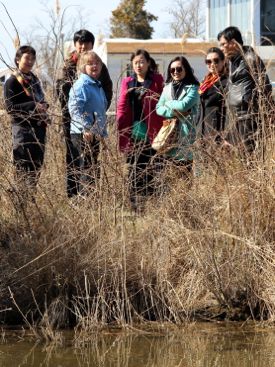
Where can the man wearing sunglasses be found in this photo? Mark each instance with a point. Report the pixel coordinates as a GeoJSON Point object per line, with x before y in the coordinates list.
{"type": "Point", "coordinates": [249, 89]}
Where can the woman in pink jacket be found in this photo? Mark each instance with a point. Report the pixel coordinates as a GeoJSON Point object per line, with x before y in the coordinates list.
{"type": "Point", "coordinates": [138, 123]}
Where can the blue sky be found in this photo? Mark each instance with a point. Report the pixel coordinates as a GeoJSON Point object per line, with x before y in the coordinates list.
{"type": "Point", "coordinates": [96, 13]}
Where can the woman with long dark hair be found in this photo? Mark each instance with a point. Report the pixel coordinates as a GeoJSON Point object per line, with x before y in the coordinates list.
{"type": "Point", "coordinates": [211, 116]}
{"type": "Point", "coordinates": [138, 123]}
{"type": "Point", "coordinates": [180, 99]}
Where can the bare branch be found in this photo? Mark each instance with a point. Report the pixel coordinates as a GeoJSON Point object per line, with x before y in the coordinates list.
{"type": "Point", "coordinates": [10, 18]}
{"type": "Point", "coordinates": [187, 18]}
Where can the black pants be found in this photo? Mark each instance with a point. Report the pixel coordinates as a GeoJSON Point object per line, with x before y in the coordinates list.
{"type": "Point", "coordinates": [83, 169]}
{"type": "Point", "coordinates": [243, 132]}
{"type": "Point", "coordinates": [28, 154]}
{"type": "Point", "coordinates": [142, 168]}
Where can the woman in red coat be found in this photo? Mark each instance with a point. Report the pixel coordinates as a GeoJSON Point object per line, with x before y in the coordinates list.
{"type": "Point", "coordinates": [138, 123]}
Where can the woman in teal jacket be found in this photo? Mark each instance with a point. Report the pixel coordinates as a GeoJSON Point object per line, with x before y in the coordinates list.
{"type": "Point", "coordinates": [180, 99]}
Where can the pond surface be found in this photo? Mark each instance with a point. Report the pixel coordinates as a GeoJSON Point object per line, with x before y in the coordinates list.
{"type": "Point", "coordinates": [199, 345]}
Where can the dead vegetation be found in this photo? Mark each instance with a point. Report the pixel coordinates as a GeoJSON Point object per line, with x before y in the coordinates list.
{"type": "Point", "coordinates": [204, 250]}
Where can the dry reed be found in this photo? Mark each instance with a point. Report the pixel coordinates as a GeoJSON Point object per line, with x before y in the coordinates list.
{"type": "Point", "coordinates": [203, 250]}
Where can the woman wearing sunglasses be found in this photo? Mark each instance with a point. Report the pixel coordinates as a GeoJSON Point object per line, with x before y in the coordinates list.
{"type": "Point", "coordinates": [211, 116]}
{"type": "Point", "coordinates": [180, 99]}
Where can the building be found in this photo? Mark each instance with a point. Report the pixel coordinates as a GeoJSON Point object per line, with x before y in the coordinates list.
{"type": "Point", "coordinates": [254, 18]}
{"type": "Point", "coordinates": [116, 52]}
{"type": "Point", "coordinates": [4, 74]}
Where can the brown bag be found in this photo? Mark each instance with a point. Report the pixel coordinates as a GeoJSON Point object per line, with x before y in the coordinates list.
{"type": "Point", "coordinates": [167, 137]}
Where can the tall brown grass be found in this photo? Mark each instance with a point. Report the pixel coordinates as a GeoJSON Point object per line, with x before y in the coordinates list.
{"type": "Point", "coordinates": [204, 250]}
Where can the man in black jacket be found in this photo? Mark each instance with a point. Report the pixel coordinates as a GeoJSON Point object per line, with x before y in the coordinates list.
{"type": "Point", "coordinates": [83, 41]}
{"type": "Point", "coordinates": [249, 89]}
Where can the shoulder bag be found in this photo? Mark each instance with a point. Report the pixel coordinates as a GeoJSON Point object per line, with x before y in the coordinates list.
{"type": "Point", "coordinates": [167, 137]}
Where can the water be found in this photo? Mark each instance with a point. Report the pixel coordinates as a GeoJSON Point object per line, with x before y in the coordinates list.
{"type": "Point", "coordinates": [200, 345]}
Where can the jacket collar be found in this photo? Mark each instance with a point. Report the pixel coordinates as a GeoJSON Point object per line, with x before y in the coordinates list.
{"type": "Point", "coordinates": [89, 79]}
{"type": "Point", "coordinates": [185, 89]}
{"type": "Point", "coordinates": [133, 82]}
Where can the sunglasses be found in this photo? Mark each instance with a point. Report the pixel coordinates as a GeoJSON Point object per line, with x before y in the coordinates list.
{"type": "Point", "coordinates": [213, 61]}
{"type": "Point", "coordinates": [177, 69]}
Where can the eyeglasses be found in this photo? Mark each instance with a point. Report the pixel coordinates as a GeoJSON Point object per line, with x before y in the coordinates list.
{"type": "Point", "coordinates": [213, 61]}
{"type": "Point", "coordinates": [93, 63]}
{"type": "Point", "coordinates": [177, 69]}
{"type": "Point", "coordinates": [140, 62]}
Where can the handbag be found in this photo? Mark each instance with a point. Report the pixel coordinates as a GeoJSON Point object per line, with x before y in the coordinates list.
{"type": "Point", "coordinates": [139, 131]}
{"type": "Point", "coordinates": [167, 137]}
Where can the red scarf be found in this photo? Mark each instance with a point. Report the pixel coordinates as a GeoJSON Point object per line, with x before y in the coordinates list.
{"type": "Point", "coordinates": [208, 81]}
{"type": "Point", "coordinates": [74, 57]}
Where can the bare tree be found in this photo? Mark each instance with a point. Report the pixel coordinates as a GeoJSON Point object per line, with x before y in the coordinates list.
{"type": "Point", "coordinates": [187, 17]}
{"type": "Point", "coordinates": [49, 35]}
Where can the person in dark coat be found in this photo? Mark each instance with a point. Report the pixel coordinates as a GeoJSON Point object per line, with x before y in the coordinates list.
{"type": "Point", "coordinates": [83, 41]}
{"type": "Point", "coordinates": [249, 90]}
{"type": "Point", "coordinates": [212, 91]}
{"type": "Point", "coordinates": [25, 102]}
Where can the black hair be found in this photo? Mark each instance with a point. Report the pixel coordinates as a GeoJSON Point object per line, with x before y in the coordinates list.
{"type": "Point", "coordinates": [189, 73]}
{"type": "Point", "coordinates": [231, 33]}
{"type": "Point", "coordinates": [24, 50]}
{"type": "Point", "coordinates": [153, 65]}
{"type": "Point", "coordinates": [84, 36]}
{"type": "Point", "coordinates": [217, 50]}
{"type": "Point", "coordinates": [142, 52]}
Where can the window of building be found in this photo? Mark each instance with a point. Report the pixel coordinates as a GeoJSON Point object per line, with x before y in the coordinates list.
{"type": "Point", "coordinates": [241, 15]}
{"type": "Point", "coordinates": [267, 22]}
{"type": "Point", "coordinates": [217, 17]}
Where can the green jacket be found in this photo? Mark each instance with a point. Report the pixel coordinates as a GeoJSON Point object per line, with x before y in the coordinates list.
{"type": "Point", "coordinates": [187, 102]}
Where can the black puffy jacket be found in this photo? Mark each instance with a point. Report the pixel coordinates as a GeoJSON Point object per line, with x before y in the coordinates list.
{"type": "Point", "coordinates": [247, 81]}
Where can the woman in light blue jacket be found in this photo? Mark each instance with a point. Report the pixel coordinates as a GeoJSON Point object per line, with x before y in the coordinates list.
{"type": "Point", "coordinates": [180, 99]}
{"type": "Point", "coordinates": [87, 107]}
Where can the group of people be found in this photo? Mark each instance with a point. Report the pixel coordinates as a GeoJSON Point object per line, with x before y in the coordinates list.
{"type": "Point", "coordinates": [221, 110]}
